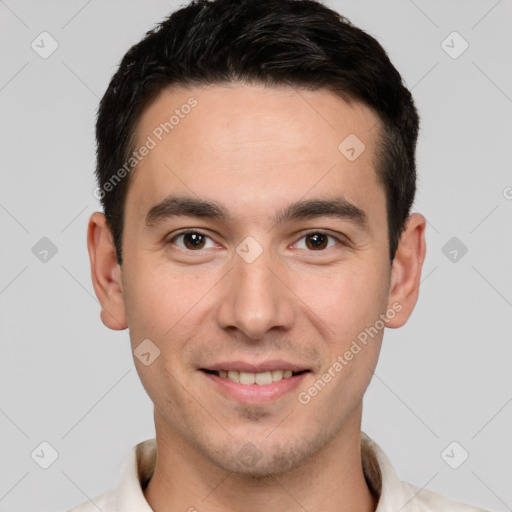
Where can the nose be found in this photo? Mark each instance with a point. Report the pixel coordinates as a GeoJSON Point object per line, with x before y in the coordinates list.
{"type": "Point", "coordinates": [255, 298]}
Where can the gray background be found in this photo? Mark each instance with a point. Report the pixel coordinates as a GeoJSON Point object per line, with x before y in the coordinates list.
{"type": "Point", "coordinates": [67, 380]}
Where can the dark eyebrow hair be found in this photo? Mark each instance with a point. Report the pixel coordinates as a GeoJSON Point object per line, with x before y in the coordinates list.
{"type": "Point", "coordinates": [338, 207]}
{"type": "Point", "coordinates": [173, 206]}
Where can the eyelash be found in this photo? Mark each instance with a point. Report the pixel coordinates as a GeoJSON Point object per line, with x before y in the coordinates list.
{"type": "Point", "coordinates": [198, 232]}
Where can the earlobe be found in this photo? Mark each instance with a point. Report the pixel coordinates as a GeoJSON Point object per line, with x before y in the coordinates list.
{"type": "Point", "coordinates": [406, 271]}
{"type": "Point", "coordinates": [106, 272]}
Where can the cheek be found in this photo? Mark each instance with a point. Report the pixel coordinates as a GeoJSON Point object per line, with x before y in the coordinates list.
{"type": "Point", "coordinates": [161, 307]}
{"type": "Point", "coordinates": [160, 300]}
{"type": "Point", "coordinates": [347, 299]}
{"type": "Point", "coordinates": [170, 308]}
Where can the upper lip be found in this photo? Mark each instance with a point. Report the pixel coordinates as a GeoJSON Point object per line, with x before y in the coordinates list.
{"type": "Point", "coordinates": [266, 366]}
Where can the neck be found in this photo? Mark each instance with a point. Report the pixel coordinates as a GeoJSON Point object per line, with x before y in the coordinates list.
{"type": "Point", "coordinates": [331, 480]}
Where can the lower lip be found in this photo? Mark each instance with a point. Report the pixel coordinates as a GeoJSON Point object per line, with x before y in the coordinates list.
{"type": "Point", "coordinates": [255, 393]}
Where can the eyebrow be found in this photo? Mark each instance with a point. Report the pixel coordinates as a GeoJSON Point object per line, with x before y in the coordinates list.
{"type": "Point", "coordinates": [174, 206]}
{"type": "Point", "coordinates": [338, 207]}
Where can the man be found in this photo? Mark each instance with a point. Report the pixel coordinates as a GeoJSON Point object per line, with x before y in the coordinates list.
{"type": "Point", "coordinates": [256, 165]}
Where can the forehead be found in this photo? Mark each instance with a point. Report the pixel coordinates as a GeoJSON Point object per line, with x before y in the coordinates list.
{"type": "Point", "coordinates": [251, 147]}
{"type": "Point", "coordinates": [231, 113]}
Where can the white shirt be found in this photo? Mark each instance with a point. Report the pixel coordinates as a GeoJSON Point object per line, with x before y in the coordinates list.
{"type": "Point", "coordinates": [381, 477]}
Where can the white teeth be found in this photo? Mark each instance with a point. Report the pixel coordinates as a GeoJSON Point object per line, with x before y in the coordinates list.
{"type": "Point", "coordinates": [277, 375]}
{"type": "Point", "coordinates": [262, 378]}
{"type": "Point", "coordinates": [234, 375]}
{"type": "Point", "coordinates": [247, 378]}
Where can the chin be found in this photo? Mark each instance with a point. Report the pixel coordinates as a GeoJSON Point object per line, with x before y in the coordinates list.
{"type": "Point", "coordinates": [253, 462]}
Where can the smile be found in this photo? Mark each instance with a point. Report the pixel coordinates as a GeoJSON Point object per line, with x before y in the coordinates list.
{"type": "Point", "coordinates": [260, 379]}
{"type": "Point", "coordinates": [255, 384]}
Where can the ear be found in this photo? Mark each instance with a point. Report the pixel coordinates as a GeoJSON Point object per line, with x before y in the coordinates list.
{"type": "Point", "coordinates": [406, 270]}
{"type": "Point", "coordinates": [106, 272]}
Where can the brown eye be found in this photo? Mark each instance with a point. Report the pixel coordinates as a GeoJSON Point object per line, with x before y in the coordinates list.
{"type": "Point", "coordinates": [192, 241]}
{"type": "Point", "coordinates": [317, 241]}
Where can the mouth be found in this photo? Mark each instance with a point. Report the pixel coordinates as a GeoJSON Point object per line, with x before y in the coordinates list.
{"type": "Point", "coordinates": [254, 384]}
{"type": "Point", "coordinates": [260, 379]}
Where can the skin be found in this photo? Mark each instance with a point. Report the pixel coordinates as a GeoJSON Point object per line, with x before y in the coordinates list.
{"type": "Point", "coordinates": [256, 150]}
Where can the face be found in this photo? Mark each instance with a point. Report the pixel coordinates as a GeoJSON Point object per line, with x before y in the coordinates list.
{"type": "Point", "coordinates": [255, 248]}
